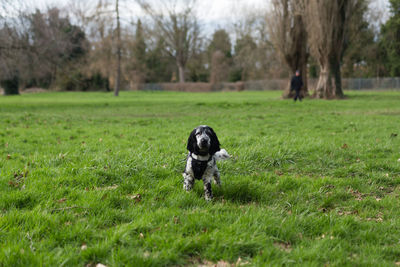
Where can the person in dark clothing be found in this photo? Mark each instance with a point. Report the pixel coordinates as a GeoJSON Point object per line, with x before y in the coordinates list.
{"type": "Point", "coordinates": [296, 84]}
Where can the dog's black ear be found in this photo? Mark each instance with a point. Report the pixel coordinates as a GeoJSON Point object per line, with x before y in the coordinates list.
{"type": "Point", "coordinates": [191, 143]}
{"type": "Point", "coordinates": [214, 146]}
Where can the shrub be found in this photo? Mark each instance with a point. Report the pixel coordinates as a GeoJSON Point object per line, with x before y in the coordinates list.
{"type": "Point", "coordinates": [77, 81]}
{"type": "Point", "coordinates": [10, 85]}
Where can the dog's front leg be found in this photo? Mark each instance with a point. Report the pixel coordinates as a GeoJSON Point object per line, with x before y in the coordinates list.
{"type": "Point", "coordinates": [207, 188]}
{"type": "Point", "coordinates": [188, 181]}
{"type": "Point", "coordinates": [217, 179]}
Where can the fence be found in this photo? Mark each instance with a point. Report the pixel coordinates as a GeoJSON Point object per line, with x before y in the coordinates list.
{"type": "Point", "coordinates": [371, 84]}
{"type": "Point", "coordinates": [266, 85]}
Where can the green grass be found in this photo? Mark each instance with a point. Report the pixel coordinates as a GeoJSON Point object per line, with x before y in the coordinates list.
{"type": "Point", "coordinates": [310, 183]}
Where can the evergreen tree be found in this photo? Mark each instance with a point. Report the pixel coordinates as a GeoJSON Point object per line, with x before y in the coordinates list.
{"type": "Point", "coordinates": [139, 50]}
{"type": "Point", "coordinates": [390, 39]}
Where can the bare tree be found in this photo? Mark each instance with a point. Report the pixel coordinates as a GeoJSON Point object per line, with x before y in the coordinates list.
{"type": "Point", "coordinates": [13, 43]}
{"type": "Point", "coordinates": [118, 46]}
{"type": "Point", "coordinates": [251, 49]}
{"type": "Point", "coordinates": [178, 26]}
{"type": "Point", "coordinates": [327, 24]}
{"type": "Point", "coordinates": [289, 36]}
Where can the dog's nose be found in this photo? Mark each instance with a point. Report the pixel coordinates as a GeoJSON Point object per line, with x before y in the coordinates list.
{"type": "Point", "coordinates": [203, 141]}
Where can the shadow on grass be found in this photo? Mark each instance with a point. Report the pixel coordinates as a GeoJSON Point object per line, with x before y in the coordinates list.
{"type": "Point", "coordinates": [236, 193]}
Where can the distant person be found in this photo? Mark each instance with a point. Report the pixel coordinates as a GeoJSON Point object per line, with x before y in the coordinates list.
{"type": "Point", "coordinates": [296, 84]}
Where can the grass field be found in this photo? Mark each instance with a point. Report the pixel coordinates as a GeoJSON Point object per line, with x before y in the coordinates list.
{"type": "Point", "coordinates": [87, 178]}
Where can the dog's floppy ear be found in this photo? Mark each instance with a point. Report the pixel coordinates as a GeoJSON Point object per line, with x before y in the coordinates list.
{"type": "Point", "coordinates": [214, 146]}
{"type": "Point", "coordinates": [191, 143]}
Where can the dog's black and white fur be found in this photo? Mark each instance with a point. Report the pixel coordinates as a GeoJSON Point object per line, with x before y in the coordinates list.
{"type": "Point", "coordinates": [204, 151]}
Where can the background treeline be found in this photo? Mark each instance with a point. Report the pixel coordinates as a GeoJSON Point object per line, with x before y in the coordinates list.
{"type": "Point", "coordinates": [76, 47]}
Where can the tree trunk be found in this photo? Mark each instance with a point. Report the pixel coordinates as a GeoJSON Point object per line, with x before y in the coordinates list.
{"type": "Point", "coordinates": [325, 88]}
{"type": "Point", "coordinates": [297, 58]}
{"type": "Point", "coordinates": [118, 74]}
{"type": "Point", "coordinates": [181, 73]}
{"type": "Point", "coordinates": [335, 66]}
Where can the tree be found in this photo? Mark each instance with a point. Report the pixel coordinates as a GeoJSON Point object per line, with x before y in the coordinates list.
{"type": "Point", "coordinates": [220, 42]}
{"type": "Point", "coordinates": [55, 43]}
{"type": "Point", "coordinates": [289, 36]}
{"type": "Point", "coordinates": [159, 63]}
{"type": "Point", "coordinates": [136, 62]}
{"type": "Point", "coordinates": [37, 46]}
{"type": "Point", "coordinates": [254, 57]}
{"type": "Point", "coordinates": [119, 48]}
{"type": "Point", "coordinates": [327, 23]}
{"type": "Point", "coordinates": [178, 27]}
{"type": "Point", "coordinates": [100, 27]}
{"type": "Point", "coordinates": [10, 59]}
{"type": "Point", "coordinates": [390, 39]}
{"type": "Point", "coordinates": [220, 56]}
{"type": "Point", "coordinates": [13, 43]}
{"type": "Point", "coordinates": [360, 55]}
{"type": "Point", "coordinates": [245, 57]}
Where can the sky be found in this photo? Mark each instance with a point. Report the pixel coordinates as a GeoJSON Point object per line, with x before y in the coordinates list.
{"type": "Point", "coordinates": [212, 13]}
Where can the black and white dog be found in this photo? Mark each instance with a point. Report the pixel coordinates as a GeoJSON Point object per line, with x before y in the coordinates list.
{"type": "Point", "coordinates": [204, 151]}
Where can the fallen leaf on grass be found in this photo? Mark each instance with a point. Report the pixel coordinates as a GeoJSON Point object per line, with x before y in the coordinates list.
{"type": "Point", "coordinates": [284, 246]}
{"type": "Point", "coordinates": [84, 246]}
{"type": "Point", "coordinates": [136, 197]}
{"type": "Point", "coordinates": [323, 209]}
{"type": "Point", "coordinates": [62, 200]}
{"type": "Point", "coordinates": [8, 156]}
{"type": "Point", "coordinates": [378, 217]}
{"type": "Point", "coordinates": [345, 146]}
{"type": "Point", "coordinates": [213, 264]}
{"type": "Point", "coordinates": [353, 212]}
{"type": "Point", "coordinates": [100, 265]}
{"type": "Point", "coordinates": [241, 262]}
{"type": "Point", "coordinates": [359, 196]}
{"type": "Point", "coordinates": [61, 155]}
{"type": "Point", "coordinates": [112, 187]}
{"type": "Point", "coordinates": [141, 235]}
{"type": "Point", "coordinates": [18, 179]}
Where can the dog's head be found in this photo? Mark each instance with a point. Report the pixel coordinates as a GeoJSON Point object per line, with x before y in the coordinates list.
{"type": "Point", "coordinates": [203, 141]}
